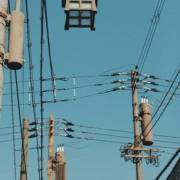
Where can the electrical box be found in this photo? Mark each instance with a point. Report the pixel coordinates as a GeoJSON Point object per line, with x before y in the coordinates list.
{"type": "Point", "coordinates": [15, 60]}
{"type": "Point", "coordinates": [146, 123]}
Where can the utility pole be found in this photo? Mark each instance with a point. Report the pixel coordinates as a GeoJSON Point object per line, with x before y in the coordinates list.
{"type": "Point", "coordinates": [60, 168]}
{"type": "Point", "coordinates": [3, 16]}
{"type": "Point", "coordinates": [136, 120]}
{"type": "Point", "coordinates": [24, 152]}
{"type": "Point", "coordinates": [51, 147]}
{"type": "Point", "coordinates": [135, 152]}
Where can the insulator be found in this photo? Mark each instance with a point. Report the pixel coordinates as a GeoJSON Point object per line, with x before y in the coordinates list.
{"type": "Point", "coordinates": [69, 129]}
{"type": "Point", "coordinates": [146, 123]}
{"type": "Point", "coordinates": [32, 123]}
{"type": "Point", "coordinates": [33, 136]}
{"type": "Point", "coordinates": [68, 123]}
{"type": "Point", "coordinates": [15, 60]}
{"type": "Point", "coordinates": [32, 129]}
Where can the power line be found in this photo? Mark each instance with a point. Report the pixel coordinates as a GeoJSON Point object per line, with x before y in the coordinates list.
{"type": "Point", "coordinates": [49, 51]}
{"type": "Point", "coordinates": [12, 107]}
{"type": "Point", "coordinates": [20, 123]}
{"type": "Point", "coordinates": [150, 34]}
{"type": "Point", "coordinates": [13, 128]}
{"type": "Point", "coordinates": [110, 141]}
{"type": "Point", "coordinates": [165, 96]}
{"type": "Point", "coordinates": [41, 83]}
{"type": "Point", "coordinates": [31, 78]}
{"type": "Point", "coordinates": [168, 164]}
{"type": "Point", "coordinates": [163, 110]}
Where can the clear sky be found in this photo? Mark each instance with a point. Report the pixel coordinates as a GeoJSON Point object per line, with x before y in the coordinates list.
{"type": "Point", "coordinates": [121, 28]}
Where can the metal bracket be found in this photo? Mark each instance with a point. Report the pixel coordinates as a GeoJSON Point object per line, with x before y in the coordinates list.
{"type": "Point", "coordinates": [1, 55]}
{"type": "Point", "coordinates": [6, 17]}
{"type": "Point", "coordinates": [3, 15]}
{"type": "Point", "coordinates": [134, 154]}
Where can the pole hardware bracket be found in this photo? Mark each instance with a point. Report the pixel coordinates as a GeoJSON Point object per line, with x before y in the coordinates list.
{"type": "Point", "coordinates": [6, 17]}
{"type": "Point", "coordinates": [2, 57]}
{"type": "Point", "coordinates": [131, 153]}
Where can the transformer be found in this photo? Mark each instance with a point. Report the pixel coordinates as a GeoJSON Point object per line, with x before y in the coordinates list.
{"type": "Point", "coordinates": [146, 123]}
{"type": "Point", "coordinates": [15, 60]}
{"type": "Point", "coordinates": [60, 167]}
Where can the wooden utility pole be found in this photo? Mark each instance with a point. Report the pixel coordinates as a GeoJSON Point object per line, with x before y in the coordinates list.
{"type": "Point", "coordinates": [51, 148]}
{"type": "Point", "coordinates": [60, 164]}
{"type": "Point", "coordinates": [24, 152]}
{"type": "Point", "coordinates": [136, 120]}
{"type": "Point", "coordinates": [3, 16]}
{"type": "Point", "coordinates": [135, 151]}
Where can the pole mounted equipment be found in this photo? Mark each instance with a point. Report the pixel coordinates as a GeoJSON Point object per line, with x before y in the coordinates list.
{"type": "Point", "coordinates": [3, 24]}
{"type": "Point", "coordinates": [51, 147]}
{"type": "Point", "coordinates": [135, 152]}
{"type": "Point", "coordinates": [15, 57]}
{"type": "Point", "coordinates": [146, 122]}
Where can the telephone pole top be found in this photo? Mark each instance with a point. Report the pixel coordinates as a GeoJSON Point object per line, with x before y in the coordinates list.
{"type": "Point", "coordinates": [136, 120]}
{"type": "Point", "coordinates": [142, 124]}
{"type": "Point", "coordinates": [51, 148]}
{"type": "Point", "coordinates": [60, 168]}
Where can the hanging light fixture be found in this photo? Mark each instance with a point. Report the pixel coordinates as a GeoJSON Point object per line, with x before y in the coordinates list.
{"type": "Point", "coordinates": [80, 13]}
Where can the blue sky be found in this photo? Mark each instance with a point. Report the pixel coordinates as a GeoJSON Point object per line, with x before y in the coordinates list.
{"type": "Point", "coordinates": [121, 28]}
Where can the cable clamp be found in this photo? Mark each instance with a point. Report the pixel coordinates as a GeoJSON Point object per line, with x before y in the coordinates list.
{"type": "Point", "coordinates": [6, 17]}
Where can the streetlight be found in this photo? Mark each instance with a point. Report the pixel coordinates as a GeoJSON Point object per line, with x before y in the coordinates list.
{"type": "Point", "coordinates": [80, 13]}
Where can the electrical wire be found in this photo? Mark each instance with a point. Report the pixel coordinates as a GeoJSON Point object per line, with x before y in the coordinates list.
{"type": "Point", "coordinates": [20, 123]}
{"type": "Point", "coordinates": [12, 108]}
{"type": "Point", "coordinates": [162, 112]}
{"type": "Point", "coordinates": [13, 128]}
{"type": "Point", "coordinates": [168, 91]}
{"type": "Point", "coordinates": [49, 51]}
{"type": "Point", "coordinates": [102, 134]}
{"type": "Point", "coordinates": [41, 83]}
{"type": "Point", "coordinates": [150, 35]}
{"type": "Point", "coordinates": [168, 164]}
{"type": "Point", "coordinates": [164, 98]}
{"type": "Point", "coordinates": [31, 79]}
{"type": "Point", "coordinates": [111, 141]}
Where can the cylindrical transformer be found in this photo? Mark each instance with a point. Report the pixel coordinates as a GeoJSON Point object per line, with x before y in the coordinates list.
{"type": "Point", "coordinates": [15, 61]}
{"type": "Point", "coordinates": [146, 123]}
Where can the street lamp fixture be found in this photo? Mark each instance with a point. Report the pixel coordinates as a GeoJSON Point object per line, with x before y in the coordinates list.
{"type": "Point", "coordinates": [80, 13]}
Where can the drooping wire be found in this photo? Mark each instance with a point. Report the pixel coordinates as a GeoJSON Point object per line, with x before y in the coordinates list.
{"type": "Point", "coordinates": [99, 133]}
{"type": "Point", "coordinates": [164, 109]}
{"type": "Point", "coordinates": [111, 141]}
{"type": "Point", "coordinates": [167, 93]}
{"type": "Point", "coordinates": [32, 79]}
{"type": "Point", "coordinates": [13, 127]}
{"type": "Point", "coordinates": [20, 123]}
{"type": "Point", "coordinates": [12, 108]}
{"type": "Point", "coordinates": [168, 164]}
{"type": "Point", "coordinates": [107, 91]}
{"type": "Point", "coordinates": [150, 34]}
{"type": "Point", "coordinates": [49, 51]}
{"type": "Point", "coordinates": [164, 98]}
{"type": "Point", "coordinates": [41, 82]}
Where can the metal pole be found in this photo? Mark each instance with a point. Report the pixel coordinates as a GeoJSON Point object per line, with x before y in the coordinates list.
{"type": "Point", "coordinates": [51, 148]}
{"type": "Point", "coordinates": [137, 135]}
{"type": "Point", "coordinates": [24, 153]}
{"type": "Point", "coordinates": [3, 11]}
